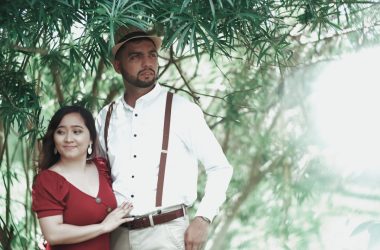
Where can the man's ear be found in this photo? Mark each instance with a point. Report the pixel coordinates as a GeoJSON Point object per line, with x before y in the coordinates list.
{"type": "Point", "coordinates": [116, 65]}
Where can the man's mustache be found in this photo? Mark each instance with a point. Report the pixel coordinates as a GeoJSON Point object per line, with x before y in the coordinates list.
{"type": "Point", "coordinates": [145, 70]}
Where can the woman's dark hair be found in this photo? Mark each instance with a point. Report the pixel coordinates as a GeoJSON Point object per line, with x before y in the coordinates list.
{"type": "Point", "coordinates": [47, 156]}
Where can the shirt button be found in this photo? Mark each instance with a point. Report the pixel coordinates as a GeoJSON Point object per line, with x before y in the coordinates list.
{"type": "Point", "coordinates": [132, 195]}
{"type": "Point", "coordinates": [135, 135]}
{"type": "Point", "coordinates": [132, 176]}
{"type": "Point", "coordinates": [134, 156]}
{"type": "Point", "coordinates": [109, 209]}
{"type": "Point", "coordinates": [136, 115]}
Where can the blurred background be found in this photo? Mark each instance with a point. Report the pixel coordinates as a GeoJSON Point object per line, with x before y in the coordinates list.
{"type": "Point", "coordinates": [290, 89]}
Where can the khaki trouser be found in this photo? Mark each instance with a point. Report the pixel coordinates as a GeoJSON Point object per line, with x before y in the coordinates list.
{"type": "Point", "coordinates": [167, 236]}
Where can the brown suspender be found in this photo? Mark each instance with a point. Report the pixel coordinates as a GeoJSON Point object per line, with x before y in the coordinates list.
{"type": "Point", "coordinates": [107, 124]}
{"type": "Point", "coordinates": [164, 151]}
{"type": "Point", "coordinates": [165, 143]}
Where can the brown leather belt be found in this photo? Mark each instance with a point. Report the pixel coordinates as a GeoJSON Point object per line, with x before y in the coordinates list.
{"type": "Point", "coordinates": [156, 219]}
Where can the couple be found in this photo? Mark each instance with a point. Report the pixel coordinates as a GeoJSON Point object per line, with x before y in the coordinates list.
{"type": "Point", "coordinates": [153, 141]}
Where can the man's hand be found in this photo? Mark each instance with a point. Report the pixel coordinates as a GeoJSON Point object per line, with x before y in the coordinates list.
{"type": "Point", "coordinates": [196, 234]}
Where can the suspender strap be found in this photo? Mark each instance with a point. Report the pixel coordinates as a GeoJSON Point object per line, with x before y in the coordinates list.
{"type": "Point", "coordinates": [164, 152]}
{"type": "Point", "coordinates": [106, 125]}
{"type": "Point", "coordinates": [165, 143]}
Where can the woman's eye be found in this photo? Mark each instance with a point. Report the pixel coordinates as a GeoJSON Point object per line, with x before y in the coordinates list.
{"type": "Point", "coordinates": [77, 131]}
{"type": "Point", "coordinates": [59, 132]}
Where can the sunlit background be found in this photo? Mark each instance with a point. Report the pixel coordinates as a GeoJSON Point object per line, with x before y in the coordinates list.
{"type": "Point", "coordinates": [346, 102]}
{"type": "Point", "coordinates": [345, 108]}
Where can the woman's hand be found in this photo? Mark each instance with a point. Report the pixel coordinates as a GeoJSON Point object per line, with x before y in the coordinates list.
{"type": "Point", "coordinates": [117, 217]}
{"type": "Point", "coordinates": [57, 233]}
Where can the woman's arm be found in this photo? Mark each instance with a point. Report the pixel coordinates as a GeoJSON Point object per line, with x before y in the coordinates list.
{"type": "Point", "coordinates": [57, 233]}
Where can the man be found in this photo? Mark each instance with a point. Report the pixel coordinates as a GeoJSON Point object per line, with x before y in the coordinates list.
{"type": "Point", "coordinates": [134, 148]}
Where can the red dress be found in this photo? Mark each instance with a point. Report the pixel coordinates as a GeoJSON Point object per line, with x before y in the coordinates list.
{"type": "Point", "coordinates": [54, 195]}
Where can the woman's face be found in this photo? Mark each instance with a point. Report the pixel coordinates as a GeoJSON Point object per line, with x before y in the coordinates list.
{"type": "Point", "coordinates": [72, 137]}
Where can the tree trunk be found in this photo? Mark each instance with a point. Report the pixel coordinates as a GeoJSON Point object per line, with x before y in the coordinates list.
{"type": "Point", "coordinates": [95, 84]}
{"type": "Point", "coordinates": [2, 142]}
{"type": "Point", "coordinates": [57, 82]}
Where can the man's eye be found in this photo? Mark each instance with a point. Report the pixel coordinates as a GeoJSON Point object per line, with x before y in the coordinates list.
{"type": "Point", "coordinates": [134, 57]}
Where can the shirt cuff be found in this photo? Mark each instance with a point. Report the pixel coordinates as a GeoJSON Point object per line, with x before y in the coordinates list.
{"type": "Point", "coordinates": [209, 214]}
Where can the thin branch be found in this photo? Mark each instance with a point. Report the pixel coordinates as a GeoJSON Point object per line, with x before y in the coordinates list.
{"type": "Point", "coordinates": [31, 50]}
{"type": "Point", "coordinates": [196, 98]}
{"type": "Point", "coordinates": [169, 60]}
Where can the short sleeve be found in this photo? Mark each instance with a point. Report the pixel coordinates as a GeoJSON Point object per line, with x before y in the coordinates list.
{"type": "Point", "coordinates": [49, 194]}
{"type": "Point", "coordinates": [103, 167]}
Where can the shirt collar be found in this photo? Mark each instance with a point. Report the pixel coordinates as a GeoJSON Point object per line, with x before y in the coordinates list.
{"type": "Point", "coordinates": [151, 95]}
{"type": "Point", "coordinates": [147, 98]}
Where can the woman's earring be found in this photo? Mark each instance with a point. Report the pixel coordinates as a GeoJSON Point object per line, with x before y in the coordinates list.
{"type": "Point", "coordinates": [89, 149]}
{"type": "Point", "coordinates": [55, 150]}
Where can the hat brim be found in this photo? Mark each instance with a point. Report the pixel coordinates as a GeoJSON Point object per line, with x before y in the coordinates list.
{"type": "Point", "coordinates": [156, 40]}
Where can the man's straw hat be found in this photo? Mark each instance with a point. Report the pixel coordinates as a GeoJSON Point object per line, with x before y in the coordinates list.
{"type": "Point", "coordinates": [124, 35]}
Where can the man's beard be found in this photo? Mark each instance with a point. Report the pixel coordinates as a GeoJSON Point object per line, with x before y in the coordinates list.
{"type": "Point", "coordinates": [136, 82]}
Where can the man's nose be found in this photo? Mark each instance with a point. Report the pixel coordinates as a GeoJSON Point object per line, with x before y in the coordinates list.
{"type": "Point", "coordinates": [147, 61]}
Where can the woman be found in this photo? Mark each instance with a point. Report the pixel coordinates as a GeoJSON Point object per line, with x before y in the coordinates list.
{"type": "Point", "coordinates": [72, 195]}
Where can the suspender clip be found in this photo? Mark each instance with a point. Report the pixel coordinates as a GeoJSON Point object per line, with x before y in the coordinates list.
{"type": "Point", "coordinates": [151, 220]}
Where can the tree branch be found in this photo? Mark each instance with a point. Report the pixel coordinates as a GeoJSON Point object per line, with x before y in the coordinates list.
{"type": "Point", "coordinates": [57, 82]}
{"type": "Point", "coordinates": [192, 93]}
{"type": "Point", "coordinates": [31, 50]}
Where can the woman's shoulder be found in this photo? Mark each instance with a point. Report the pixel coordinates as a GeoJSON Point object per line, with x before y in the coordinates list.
{"type": "Point", "coordinates": [49, 193]}
{"type": "Point", "coordinates": [48, 176]}
{"type": "Point", "coordinates": [51, 182]}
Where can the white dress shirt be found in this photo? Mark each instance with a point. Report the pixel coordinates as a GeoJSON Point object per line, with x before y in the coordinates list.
{"type": "Point", "coordinates": [134, 147]}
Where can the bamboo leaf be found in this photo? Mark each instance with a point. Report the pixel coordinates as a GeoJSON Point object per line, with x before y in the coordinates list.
{"type": "Point", "coordinates": [212, 7]}
{"type": "Point", "coordinates": [185, 3]}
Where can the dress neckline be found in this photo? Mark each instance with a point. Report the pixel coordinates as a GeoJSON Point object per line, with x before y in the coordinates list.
{"type": "Point", "coordinates": [87, 194]}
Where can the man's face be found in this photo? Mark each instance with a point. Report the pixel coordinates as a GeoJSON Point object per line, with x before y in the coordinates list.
{"type": "Point", "coordinates": [138, 63]}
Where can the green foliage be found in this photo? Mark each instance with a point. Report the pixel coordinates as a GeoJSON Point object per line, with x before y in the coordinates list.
{"type": "Point", "coordinates": [19, 104]}
{"type": "Point", "coordinates": [262, 29]}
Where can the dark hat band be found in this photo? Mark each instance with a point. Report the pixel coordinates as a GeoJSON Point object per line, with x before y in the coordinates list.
{"type": "Point", "coordinates": [131, 35]}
